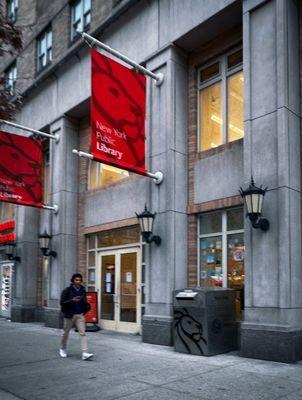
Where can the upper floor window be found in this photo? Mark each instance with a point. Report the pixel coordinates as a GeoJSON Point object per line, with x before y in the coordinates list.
{"type": "Point", "coordinates": [220, 86]}
{"type": "Point", "coordinates": [11, 78]}
{"type": "Point", "coordinates": [101, 175]}
{"type": "Point", "coordinates": [44, 49]}
{"type": "Point", "coordinates": [12, 8]}
{"type": "Point", "coordinates": [80, 16]}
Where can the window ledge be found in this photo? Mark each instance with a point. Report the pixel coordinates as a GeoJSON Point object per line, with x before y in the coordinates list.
{"type": "Point", "coordinates": [219, 149]}
{"type": "Point", "coordinates": [43, 69]}
{"type": "Point", "coordinates": [92, 192]}
{"type": "Point", "coordinates": [217, 204]}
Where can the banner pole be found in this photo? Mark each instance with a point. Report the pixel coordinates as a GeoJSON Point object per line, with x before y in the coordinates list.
{"type": "Point", "coordinates": [157, 177]}
{"type": "Point", "coordinates": [54, 208]}
{"type": "Point", "coordinates": [55, 137]}
{"type": "Point", "coordinates": [157, 77]}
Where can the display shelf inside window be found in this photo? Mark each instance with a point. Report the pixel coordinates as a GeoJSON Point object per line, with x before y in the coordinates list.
{"type": "Point", "coordinates": [143, 278]}
{"type": "Point", "coordinates": [235, 269]}
{"type": "Point", "coordinates": [211, 261]}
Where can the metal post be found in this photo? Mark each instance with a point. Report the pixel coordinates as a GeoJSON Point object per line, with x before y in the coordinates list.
{"type": "Point", "coordinates": [82, 154]}
{"type": "Point", "coordinates": [158, 77]}
{"type": "Point", "coordinates": [157, 177]}
{"type": "Point", "coordinates": [55, 137]}
{"type": "Point", "coordinates": [54, 208]}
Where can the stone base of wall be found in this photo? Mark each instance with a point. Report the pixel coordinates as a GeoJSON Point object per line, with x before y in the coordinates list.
{"type": "Point", "coordinates": [53, 317]}
{"type": "Point", "coordinates": [280, 344]}
{"type": "Point", "coordinates": [40, 314]}
{"type": "Point", "coordinates": [23, 314]}
{"type": "Point", "coordinates": [158, 330]}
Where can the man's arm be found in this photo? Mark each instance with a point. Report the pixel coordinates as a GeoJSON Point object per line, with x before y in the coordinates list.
{"type": "Point", "coordinates": [65, 298]}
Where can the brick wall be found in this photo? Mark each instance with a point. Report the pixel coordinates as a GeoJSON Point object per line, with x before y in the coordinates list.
{"type": "Point", "coordinates": [196, 59]}
{"type": "Point", "coordinates": [83, 176]}
{"type": "Point", "coordinates": [33, 17]}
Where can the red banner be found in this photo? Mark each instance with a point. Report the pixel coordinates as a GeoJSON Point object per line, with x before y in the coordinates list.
{"type": "Point", "coordinates": [7, 225]}
{"type": "Point", "coordinates": [92, 315]}
{"type": "Point", "coordinates": [20, 170]}
{"type": "Point", "coordinates": [118, 111]}
{"type": "Point", "coordinates": [9, 237]}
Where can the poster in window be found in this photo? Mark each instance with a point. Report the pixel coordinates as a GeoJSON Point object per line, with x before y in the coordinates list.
{"type": "Point", "coordinates": [238, 255]}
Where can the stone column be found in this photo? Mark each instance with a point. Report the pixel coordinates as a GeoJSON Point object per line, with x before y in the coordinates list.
{"type": "Point", "coordinates": [167, 151]}
{"type": "Point", "coordinates": [64, 192]}
{"type": "Point", "coordinates": [272, 327]}
{"type": "Point", "coordinates": [24, 300]}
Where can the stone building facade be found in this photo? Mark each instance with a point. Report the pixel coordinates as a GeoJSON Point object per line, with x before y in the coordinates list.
{"type": "Point", "coordinates": [229, 108]}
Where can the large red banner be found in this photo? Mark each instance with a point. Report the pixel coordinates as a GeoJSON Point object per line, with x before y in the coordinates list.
{"type": "Point", "coordinates": [118, 111]}
{"type": "Point", "coordinates": [20, 170]}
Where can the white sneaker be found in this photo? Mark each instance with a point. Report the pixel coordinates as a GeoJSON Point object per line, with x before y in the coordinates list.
{"type": "Point", "coordinates": [86, 356]}
{"type": "Point", "coordinates": [63, 353]}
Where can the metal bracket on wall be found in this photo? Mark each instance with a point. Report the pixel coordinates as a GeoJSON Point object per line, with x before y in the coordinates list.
{"type": "Point", "coordinates": [157, 177]}
{"type": "Point", "coordinates": [91, 41]}
{"type": "Point", "coordinates": [54, 137]}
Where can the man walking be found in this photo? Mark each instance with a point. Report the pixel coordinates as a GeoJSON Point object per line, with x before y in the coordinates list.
{"type": "Point", "coordinates": [74, 305]}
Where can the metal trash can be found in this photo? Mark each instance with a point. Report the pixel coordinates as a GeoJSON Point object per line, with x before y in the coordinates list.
{"type": "Point", "coordinates": [204, 321]}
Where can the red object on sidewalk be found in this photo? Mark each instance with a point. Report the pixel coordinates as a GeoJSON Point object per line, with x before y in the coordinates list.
{"type": "Point", "coordinates": [92, 315]}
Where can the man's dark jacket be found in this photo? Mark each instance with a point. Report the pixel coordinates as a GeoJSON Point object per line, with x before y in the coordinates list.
{"type": "Point", "coordinates": [66, 303]}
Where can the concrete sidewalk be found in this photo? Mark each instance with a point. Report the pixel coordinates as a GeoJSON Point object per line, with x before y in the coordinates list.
{"type": "Point", "coordinates": [125, 368]}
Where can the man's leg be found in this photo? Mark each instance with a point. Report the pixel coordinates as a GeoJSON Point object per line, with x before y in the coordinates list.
{"type": "Point", "coordinates": [81, 326]}
{"type": "Point", "coordinates": [68, 323]}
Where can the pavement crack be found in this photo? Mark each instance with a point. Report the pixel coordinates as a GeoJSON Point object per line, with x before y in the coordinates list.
{"type": "Point", "coordinates": [13, 394]}
{"type": "Point", "coordinates": [27, 363]}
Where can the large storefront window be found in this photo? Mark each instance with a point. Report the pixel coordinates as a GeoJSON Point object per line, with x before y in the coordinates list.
{"type": "Point", "coordinates": [221, 252]}
{"type": "Point", "coordinates": [102, 175]}
{"type": "Point", "coordinates": [221, 101]}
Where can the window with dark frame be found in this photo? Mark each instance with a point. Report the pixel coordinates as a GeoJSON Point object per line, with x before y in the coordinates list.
{"type": "Point", "coordinates": [80, 17]}
{"type": "Point", "coordinates": [12, 9]}
{"type": "Point", "coordinates": [11, 79]}
{"type": "Point", "coordinates": [44, 49]}
{"type": "Point", "coordinates": [221, 252]}
{"type": "Point", "coordinates": [220, 95]}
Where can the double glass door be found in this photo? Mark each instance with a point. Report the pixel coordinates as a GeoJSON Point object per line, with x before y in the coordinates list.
{"type": "Point", "coordinates": [119, 290]}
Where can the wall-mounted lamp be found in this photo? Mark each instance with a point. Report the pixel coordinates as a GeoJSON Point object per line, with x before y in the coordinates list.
{"type": "Point", "coordinates": [253, 198]}
{"type": "Point", "coordinates": [9, 251]}
{"type": "Point", "coordinates": [146, 219]}
{"type": "Point", "coordinates": [44, 239]}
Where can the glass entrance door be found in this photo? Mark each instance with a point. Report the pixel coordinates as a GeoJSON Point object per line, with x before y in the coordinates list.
{"type": "Point", "coordinates": [119, 289]}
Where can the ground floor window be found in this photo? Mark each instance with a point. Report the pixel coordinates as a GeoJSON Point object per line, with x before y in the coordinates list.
{"type": "Point", "coordinates": [221, 252]}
